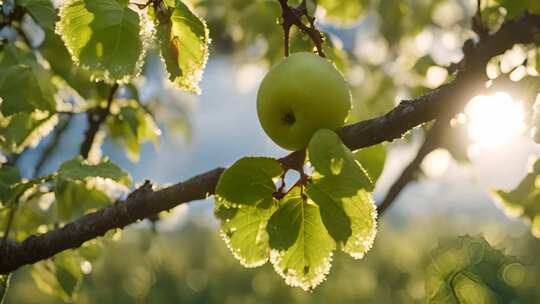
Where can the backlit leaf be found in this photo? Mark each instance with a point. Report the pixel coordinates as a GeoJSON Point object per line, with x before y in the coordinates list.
{"type": "Point", "coordinates": [343, 11]}
{"type": "Point", "coordinates": [22, 130]}
{"type": "Point", "coordinates": [244, 230]}
{"type": "Point", "coordinates": [372, 159]}
{"type": "Point", "coordinates": [61, 276]}
{"type": "Point", "coordinates": [133, 126]}
{"type": "Point", "coordinates": [301, 246]}
{"type": "Point", "coordinates": [81, 186]}
{"type": "Point", "coordinates": [183, 41]}
{"type": "Point", "coordinates": [103, 36]}
{"type": "Point", "coordinates": [24, 84]}
{"type": "Point", "coordinates": [249, 181]}
{"type": "Point", "coordinates": [524, 200]}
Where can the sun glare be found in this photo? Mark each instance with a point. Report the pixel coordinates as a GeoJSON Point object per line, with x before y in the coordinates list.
{"type": "Point", "coordinates": [494, 120]}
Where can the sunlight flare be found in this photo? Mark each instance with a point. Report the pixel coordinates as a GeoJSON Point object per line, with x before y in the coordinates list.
{"type": "Point", "coordinates": [494, 120]}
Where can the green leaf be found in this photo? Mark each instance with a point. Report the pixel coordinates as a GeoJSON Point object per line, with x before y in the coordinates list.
{"type": "Point", "coordinates": [469, 270]}
{"type": "Point", "coordinates": [342, 190]}
{"type": "Point", "coordinates": [301, 246]}
{"type": "Point", "coordinates": [343, 11]}
{"type": "Point", "coordinates": [55, 52]}
{"type": "Point", "coordinates": [249, 181]}
{"type": "Point", "coordinates": [103, 37]}
{"type": "Point", "coordinates": [244, 203]}
{"type": "Point", "coordinates": [133, 126]}
{"type": "Point", "coordinates": [42, 11]}
{"type": "Point", "coordinates": [61, 276]}
{"type": "Point", "coordinates": [4, 285]}
{"type": "Point", "coordinates": [24, 84]}
{"type": "Point", "coordinates": [9, 178]}
{"type": "Point", "coordinates": [332, 208]}
{"type": "Point", "coordinates": [79, 169]}
{"type": "Point", "coordinates": [372, 159]}
{"type": "Point", "coordinates": [333, 160]}
{"type": "Point", "coordinates": [183, 41]}
{"type": "Point", "coordinates": [524, 200]}
{"type": "Point", "coordinates": [21, 130]}
{"type": "Point", "coordinates": [81, 186]}
{"type": "Point", "coordinates": [244, 231]}
{"type": "Point", "coordinates": [35, 212]}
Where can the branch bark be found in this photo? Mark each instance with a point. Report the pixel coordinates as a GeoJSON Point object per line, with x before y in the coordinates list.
{"type": "Point", "coordinates": [146, 202]}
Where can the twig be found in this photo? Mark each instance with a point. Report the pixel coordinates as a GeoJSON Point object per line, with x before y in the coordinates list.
{"type": "Point", "coordinates": [95, 118]}
{"type": "Point", "coordinates": [293, 16]}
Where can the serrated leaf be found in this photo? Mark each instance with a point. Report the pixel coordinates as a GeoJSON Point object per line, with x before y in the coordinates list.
{"type": "Point", "coordinates": [244, 203]}
{"type": "Point", "coordinates": [343, 11]}
{"type": "Point", "coordinates": [22, 130]}
{"type": "Point", "coordinates": [249, 181]}
{"type": "Point", "coordinates": [103, 37]}
{"type": "Point", "coordinates": [372, 159]}
{"type": "Point", "coordinates": [305, 227]}
{"type": "Point", "coordinates": [524, 200]}
{"type": "Point", "coordinates": [469, 270]}
{"type": "Point", "coordinates": [183, 42]}
{"type": "Point", "coordinates": [61, 276]}
{"type": "Point", "coordinates": [301, 246]}
{"type": "Point", "coordinates": [24, 84]}
{"type": "Point", "coordinates": [4, 285]}
{"type": "Point", "coordinates": [344, 195]}
{"type": "Point", "coordinates": [244, 230]}
{"type": "Point", "coordinates": [42, 11]}
{"type": "Point", "coordinates": [81, 186]}
{"type": "Point", "coordinates": [133, 126]}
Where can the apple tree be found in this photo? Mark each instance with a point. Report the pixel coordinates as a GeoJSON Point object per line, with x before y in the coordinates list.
{"type": "Point", "coordinates": [334, 109]}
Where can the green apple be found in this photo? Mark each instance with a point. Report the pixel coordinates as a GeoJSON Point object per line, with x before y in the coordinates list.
{"type": "Point", "coordinates": [300, 95]}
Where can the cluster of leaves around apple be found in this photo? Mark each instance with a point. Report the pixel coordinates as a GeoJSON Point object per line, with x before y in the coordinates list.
{"type": "Point", "coordinates": [298, 228]}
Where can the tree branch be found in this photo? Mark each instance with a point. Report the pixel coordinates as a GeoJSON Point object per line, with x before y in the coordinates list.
{"type": "Point", "coordinates": [293, 16]}
{"type": "Point", "coordinates": [96, 117]}
{"type": "Point", "coordinates": [446, 101]}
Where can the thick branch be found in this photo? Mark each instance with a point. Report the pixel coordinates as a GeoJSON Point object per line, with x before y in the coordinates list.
{"type": "Point", "coordinates": [145, 202]}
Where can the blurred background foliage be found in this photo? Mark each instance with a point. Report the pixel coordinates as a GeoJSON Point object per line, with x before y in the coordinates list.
{"type": "Point", "coordinates": [193, 266]}
{"type": "Point", "coordinates": [389, 50]}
